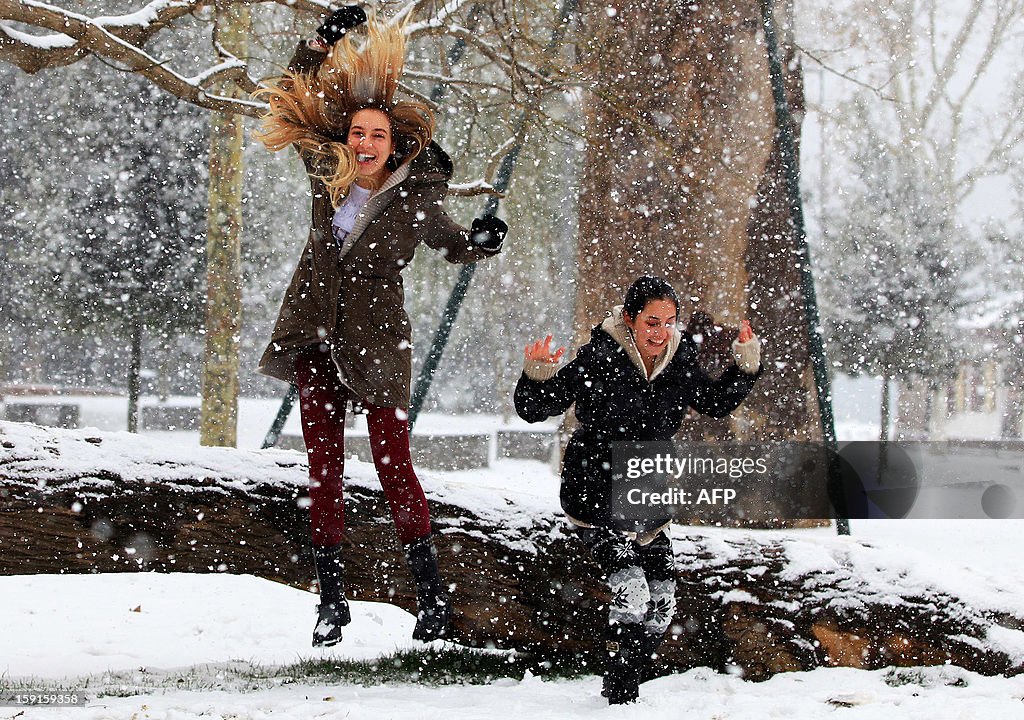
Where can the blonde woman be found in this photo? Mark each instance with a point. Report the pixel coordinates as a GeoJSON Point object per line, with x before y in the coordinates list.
{"type": "Point", "coordinates": [343, 335]}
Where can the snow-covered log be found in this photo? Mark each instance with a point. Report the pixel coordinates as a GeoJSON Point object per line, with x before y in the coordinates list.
{"type": "Point", "coordinates": [79, 501]}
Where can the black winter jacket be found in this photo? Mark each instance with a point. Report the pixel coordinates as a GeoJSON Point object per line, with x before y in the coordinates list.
{"type": "Point", "coordinates": [615, 402]}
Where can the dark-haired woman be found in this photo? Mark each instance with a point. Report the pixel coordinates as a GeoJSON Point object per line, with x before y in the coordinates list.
{"type": "Point", "coordinates": [342, 335]}
{"type": "Point", "coordinates": [634, 381]}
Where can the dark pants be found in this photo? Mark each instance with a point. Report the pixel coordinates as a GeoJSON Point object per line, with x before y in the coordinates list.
{"type": "Point", "coordinates": [322, 399]}
{"type": "Point", "coordinates": [641, 578]}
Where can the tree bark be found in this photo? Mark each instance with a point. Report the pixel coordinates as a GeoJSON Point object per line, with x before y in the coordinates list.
{"type": "Point", "coordinates": [1012, 425]}
{"type": "Point", "coordinates": [683, 179]}
{"type": "Point", "coordinates": [79, 502]}
{"type": "Point", "coordinates": [135, 368]}
{"type": "Point", "coordinates": [219, 420]}
{"type": "Point", "coordinates": [885, 409]}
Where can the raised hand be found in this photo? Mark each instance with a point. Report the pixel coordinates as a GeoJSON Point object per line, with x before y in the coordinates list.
{"type": "Point", "coordinates": [746, 332]}
{"type": "Point", "coordinates": [488, 232]}
{"type": "Point", "coordinates": [746, 350]}
{"type": "Point", "coordinates": [341, 21]}
{"type": "Point", "coordinates": [541, 351]}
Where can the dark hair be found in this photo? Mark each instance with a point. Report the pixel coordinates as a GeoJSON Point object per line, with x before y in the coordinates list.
{"type": "Point", "coordinates": [644, 289]}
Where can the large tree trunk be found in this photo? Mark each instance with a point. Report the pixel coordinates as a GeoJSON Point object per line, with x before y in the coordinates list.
{"type": "Point", "coordinates": [218, 425]}
{"type": "Point", "coordinates": [75, 501]}
{"type": "Point", "coordinates": [679, 88]}
{"type": "Point", "coordinates": [683, 179]}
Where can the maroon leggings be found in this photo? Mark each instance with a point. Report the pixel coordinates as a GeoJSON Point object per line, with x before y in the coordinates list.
{"type": "Point", "coordinates": [322, 400]}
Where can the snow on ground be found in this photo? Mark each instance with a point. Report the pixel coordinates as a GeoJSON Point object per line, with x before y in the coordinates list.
{"type": "Point", "coordinates": [255, 415]}
{"type": "Point", "coordinates": [147, 627]}
{"type": "Point", "coordinates": [194, 628]}
{"type": "Point", "coordinates": [63, 626]}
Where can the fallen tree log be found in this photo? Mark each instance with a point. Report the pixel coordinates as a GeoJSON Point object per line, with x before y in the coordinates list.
{"type": "Point", "coordinates": [757, 603]}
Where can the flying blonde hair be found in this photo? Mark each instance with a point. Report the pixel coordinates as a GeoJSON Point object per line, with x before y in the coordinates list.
{"type": "Point", "coordinates": [313, 110]}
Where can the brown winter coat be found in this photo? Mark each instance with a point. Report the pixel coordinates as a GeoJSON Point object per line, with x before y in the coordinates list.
{"type": "Point", "coordinates": [357, 303]}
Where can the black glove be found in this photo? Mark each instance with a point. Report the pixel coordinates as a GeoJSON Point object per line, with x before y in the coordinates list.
{"type": "Point", "coordinates": [488, 232]}
{"type": "Point", "coordinates": [339, 22]}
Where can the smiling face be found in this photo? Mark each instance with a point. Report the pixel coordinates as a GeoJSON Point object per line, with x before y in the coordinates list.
{"type": "Point", "coordinates": [370, 136]}
{"type": "Point", "coordinates": [652, 328]}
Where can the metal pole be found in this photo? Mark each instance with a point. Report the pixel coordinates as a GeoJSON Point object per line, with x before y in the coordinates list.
{"type": "Point", "coordinates": [458, 293]}
{"type": "Point", "coordinates": [455, 299]}
{"type": "Point", "coordinates": [816, 344]}
{"type": "Point", "coordinates": [272, 436]}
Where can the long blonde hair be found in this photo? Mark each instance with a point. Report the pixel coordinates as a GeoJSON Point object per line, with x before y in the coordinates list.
{"type": "Point", "coordinates": [313, 110]}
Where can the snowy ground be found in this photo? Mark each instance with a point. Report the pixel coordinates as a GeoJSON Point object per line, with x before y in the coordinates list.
{"type": "Point", "coordinates": [177, 645]}
{"type": "Point", "coordinates": [203, 632]}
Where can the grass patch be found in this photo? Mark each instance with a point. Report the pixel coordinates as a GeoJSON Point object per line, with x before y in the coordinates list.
{"type": "Point", "coordinates": [450, 665]}
{"type": "Point", "coordinates": [447, 665]}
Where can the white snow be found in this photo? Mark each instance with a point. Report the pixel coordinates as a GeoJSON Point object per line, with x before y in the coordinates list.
{"type": "Point", "coordinates": [62, 626]}
{"type": "Point", "coordinates": [163, 632]}
{"type": "Point", "coordinates": [42, 42]}
{"type": "Point", "coordinates": [177, 644]}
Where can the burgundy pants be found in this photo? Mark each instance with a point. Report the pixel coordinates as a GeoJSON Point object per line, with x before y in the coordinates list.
{"type": "Point", "coordinates": [322, 400]}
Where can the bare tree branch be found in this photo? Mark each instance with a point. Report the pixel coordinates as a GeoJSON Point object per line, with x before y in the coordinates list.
{"type": "Point", "coordinates": [120, 40]}
{"type": "Point", "coordinates": [944, 74]}
{"type": "Point", "coordinates": [846, 76]}
{"type": "Point", "coordinates": [33, 53]}
{"type": "Point", "coordinates": [473, 188]}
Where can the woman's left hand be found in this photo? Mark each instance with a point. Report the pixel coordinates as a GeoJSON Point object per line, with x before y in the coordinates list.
{"type": "Point", "coordinates": [746, 332]}
{"type": "Point", "coordinates": [339, 22]}
{"type": "Point", "coordinates": [746, 349]}
{"type": "Point", "coordinates": [488, 232]}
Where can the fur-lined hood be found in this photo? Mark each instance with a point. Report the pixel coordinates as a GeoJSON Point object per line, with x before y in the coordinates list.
{"type": "Point", "coordinates": [615, 326]}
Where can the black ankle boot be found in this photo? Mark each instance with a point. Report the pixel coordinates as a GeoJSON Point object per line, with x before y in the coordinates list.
{"type": "Point", "coordinates": [332, 612]}
{"type": "Point", "coordinates": [431, 598]}
{"type": "Point", "coordinates": [624, 663]}
{"type": "Point", "coordinates": [648, 647]}
{"type": "Point", "coordinates": [649, 644]}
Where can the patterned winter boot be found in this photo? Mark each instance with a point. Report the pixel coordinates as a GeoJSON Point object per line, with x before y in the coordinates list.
{"type": "Point", "coordinates": [660, 612]}
{"type": "Point", "coordinates": [431, 598]}
{"type": "Point", "coordinates": [332, 612]}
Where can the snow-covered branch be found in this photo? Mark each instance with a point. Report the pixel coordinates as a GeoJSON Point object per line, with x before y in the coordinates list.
{"type": "Point", "coordinates": [37, 36]}
{"type": "Point", "coordinates": [118, 39]}
{"type": "Point", "coordinates": [473, 188]}
{"type": "Point", "coordinates": [68, 41]}
{"type": "Point", "coordinates": [436, 17]}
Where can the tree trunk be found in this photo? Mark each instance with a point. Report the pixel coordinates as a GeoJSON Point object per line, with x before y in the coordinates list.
{"type": "Point", "coordinates": [219, 420]}
{"type": "Point", "coordinates": [521, 579]}
{"type": "Point", "coordinates": [135, 371]}
{"type": "Point", "coordinates": [885, 409]}
{"type": "Point", "coordinates": [1012, 425]}
{"type": "Point", "coordinates": [682, 179]}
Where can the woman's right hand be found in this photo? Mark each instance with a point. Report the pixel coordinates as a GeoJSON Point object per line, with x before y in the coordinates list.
{"type": "Point", "coordinates": [540, 351]}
